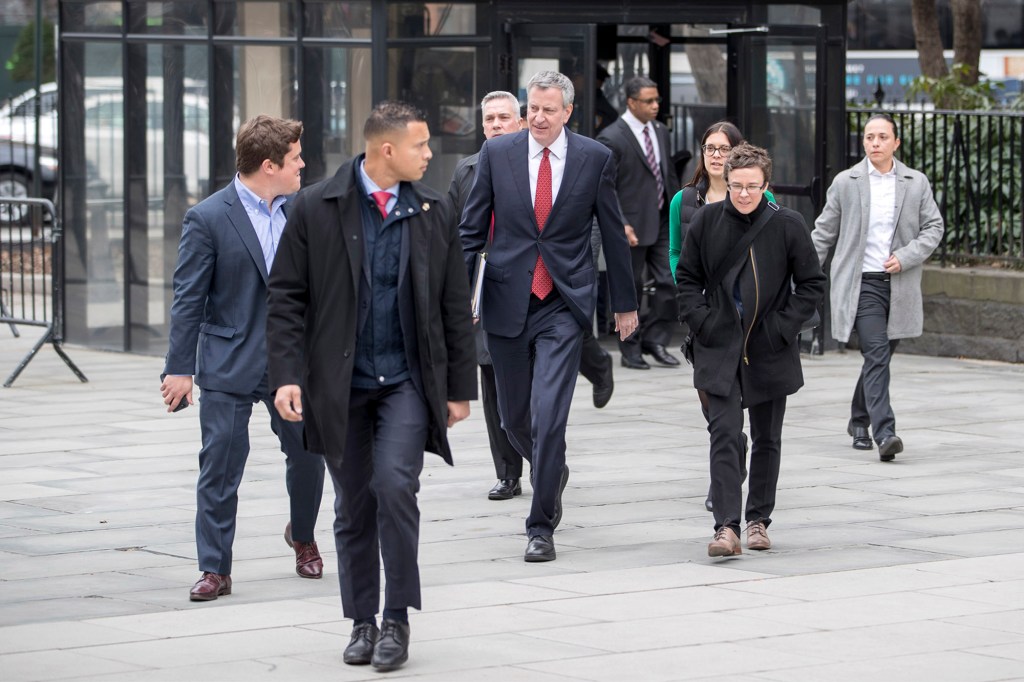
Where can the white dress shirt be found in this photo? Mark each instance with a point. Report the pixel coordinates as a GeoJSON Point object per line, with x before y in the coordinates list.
{"type": "Point", "coordinates": [881, 220]}
{"type": "Point", "coordinates": [638, 130]}
{"type": "Point", "coordinates": [267, 221]}
{"type": "Point", "coordinates": [557, 160]}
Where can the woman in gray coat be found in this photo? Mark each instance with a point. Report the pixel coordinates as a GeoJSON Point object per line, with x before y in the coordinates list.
{"type": "Point", "coordinates": [882, 219]}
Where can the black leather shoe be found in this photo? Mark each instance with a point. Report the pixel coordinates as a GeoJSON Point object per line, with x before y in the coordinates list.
{"type": "Point", "coordinates": [540, 548]}
{"type": "Point", "coordinates": [558, 500]}
{"type": "Point", "coordinates": [889, 447]}
{"type": "Point", "coordinates": [392, 648]}
{"type": "Point", "coordinates": [604, 386]}
{"type": "Point", "coordinates": [634, 363]}
{"type": "Point", "coordinates": [505, 489]}
{"type": "Point", "coordinates": [861, 439]}
{"type": "Point", "coordinates": [360, 647]}
{"type": "Point", "coordinates": [662, 356]}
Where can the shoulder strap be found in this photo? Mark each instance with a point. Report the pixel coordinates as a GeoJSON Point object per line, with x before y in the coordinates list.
{"type": "Point", "coordinates": [742, 245]}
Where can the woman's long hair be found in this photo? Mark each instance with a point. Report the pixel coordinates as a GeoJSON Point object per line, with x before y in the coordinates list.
{"type": "Point", "coordinates": [700, 175]}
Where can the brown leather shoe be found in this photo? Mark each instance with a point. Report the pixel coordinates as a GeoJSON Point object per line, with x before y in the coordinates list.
{"type": "Point", "coordinates": [757, 536]}
{"type": "Point", "coordinates": [210, 586]}
{"type": "Point", "coordinates": [725, 543]}
{"type": "Point", "coordinates": [308, 563]}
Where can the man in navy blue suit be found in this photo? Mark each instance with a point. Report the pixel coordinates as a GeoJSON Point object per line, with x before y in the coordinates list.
{"type": "Point", "coordinates": [544, 187]}
{"type": "Point", "coordinates": [218, 334]}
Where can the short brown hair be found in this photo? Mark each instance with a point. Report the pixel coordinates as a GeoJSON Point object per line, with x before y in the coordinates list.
{"type": "Point", "coordinates": [264, 137]}
{"type": "Point", "coordinates": [391, 115]}
{"type": "Point", "coordinates": [748, 156]}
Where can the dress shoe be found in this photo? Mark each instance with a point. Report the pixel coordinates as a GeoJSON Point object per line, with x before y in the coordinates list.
{"type": "Point", "coordinates": [725, 543]}
{"type": "Point", "coordinates": [604, 386]}
{"type": "Point", "coordinates": [360, 647]}
{"type": "Point", "coordinates": [861, 439]}
{"type": "Point", "coordinates": [392, 649]}
{"type": "Point", "coordinates": [757, 536]}
{"type": "Point", "coordinates": [210, 586]}
{"type": "Point", "coordinates": [889, 447]}
{"type": "Point", "coordinates": [308, 563]}
{"type": "Point", "coordinates": [662, 356]}
{"type": "Point", "coordinates": [540, 548]}
{"type": "Point", "coordinates": [634, 363]}
{"type": "Point", "coordinates": [505, 489]}
{"type": "Point", "coordinates": [708, 504]}
{"type": "Point", "coordinates": [558, 500]}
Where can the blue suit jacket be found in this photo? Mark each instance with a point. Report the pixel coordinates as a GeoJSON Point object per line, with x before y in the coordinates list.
{"type": "Point", "coordinates": [219, 314]}
{"type": "Point", "coordinates": [587, 191]}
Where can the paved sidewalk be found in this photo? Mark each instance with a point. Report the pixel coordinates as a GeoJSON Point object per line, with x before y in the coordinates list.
{"type": "Point", "coordinates": [912, 570]}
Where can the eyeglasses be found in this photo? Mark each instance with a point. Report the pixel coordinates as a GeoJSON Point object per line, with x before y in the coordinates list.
{"type": "Point", "coordinates": [750, 189]}
{"type": "Point", "coordinates": [648, 101]}
{"type": "Point", "coordinates": [710, 149]}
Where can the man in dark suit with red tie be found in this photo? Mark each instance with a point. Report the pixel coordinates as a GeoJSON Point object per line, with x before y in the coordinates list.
{"type": "Point", "coordinates": [544, 187]}
{"type": "Point", "coordinates": [646, 183]}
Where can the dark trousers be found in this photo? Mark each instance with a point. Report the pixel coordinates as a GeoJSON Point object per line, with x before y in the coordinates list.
{"type": "Point", "coordinates": [535, 374]}
{"type": "Point", "coordinates": [870, 404]}
{"type": "Point", "coordinates": [224, 421]}
{"type": "Point", "coordinates": [725, 425]}
{"type": "Point", "coordinates": [375, 487]}
{"type": "Point", "coordinates": [593, 362]}
{"type": "Point", "coordinates": [508, 463]}
{"type": "Point", "coordinates": [662, 311]}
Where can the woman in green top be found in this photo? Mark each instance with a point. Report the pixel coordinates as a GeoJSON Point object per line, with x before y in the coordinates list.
{"type": "Point", "coordinates": [707, 186]}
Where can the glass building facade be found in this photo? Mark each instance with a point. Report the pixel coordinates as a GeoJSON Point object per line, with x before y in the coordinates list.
{"type": "Point", "coordinates": [151, 94]}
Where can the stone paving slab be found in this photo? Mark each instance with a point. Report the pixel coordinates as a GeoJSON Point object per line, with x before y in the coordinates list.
{"type": "Point", "coordinates": [909, 570]}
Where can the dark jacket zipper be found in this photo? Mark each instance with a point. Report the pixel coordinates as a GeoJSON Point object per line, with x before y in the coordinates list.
{"type": "Point", "coordinates": [757, 297]}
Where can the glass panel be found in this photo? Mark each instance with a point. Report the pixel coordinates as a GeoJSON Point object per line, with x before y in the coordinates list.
{"type": "Point", "coordinates": [419, 19]}
{"type": "Point", "coordinates": [699, 84]}
{"type": "Point", "coordinates": [443, 81]}
{"type": "Point", "coordinates": [330, 19]}
{"type": "Point", "coordinates": [794, 15]}
{"type": "Point", "coordinates": [177, 177]}
{"type": "Point", "coordinates": [95, 223]}
{"type": "Point", "coordinates": [256, 18]}
{"type": "Point", "coordinates": [338, 100]}
{"type": "Point", "coordinates": [175, 18]}
{"type": "Point", "coordinates": [101, 17]}
{"type": "Point", "coordinates": [264, 82]}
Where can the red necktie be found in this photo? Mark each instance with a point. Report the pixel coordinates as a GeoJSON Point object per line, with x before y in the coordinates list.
{"type": "Point", "coordinates": [542, 284]}
{"type": "Point", "coordinates": [382, 198]}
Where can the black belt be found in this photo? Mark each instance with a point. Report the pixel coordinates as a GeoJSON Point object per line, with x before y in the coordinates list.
{"type": "Point", "coordinates": [880, 276]}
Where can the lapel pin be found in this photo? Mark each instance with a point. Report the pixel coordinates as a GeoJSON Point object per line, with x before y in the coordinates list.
{"type": "Point", "coordinates": [425, 206]}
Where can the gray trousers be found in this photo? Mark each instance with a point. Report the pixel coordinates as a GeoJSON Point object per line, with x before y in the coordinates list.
{"type": "Point", "coordinates": [870, 404]}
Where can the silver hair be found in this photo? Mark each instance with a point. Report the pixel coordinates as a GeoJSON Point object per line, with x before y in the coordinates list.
{"type": "Point", "coordinates": [500, 94]}
{"type": "Point", "coordinates": [553, 79]}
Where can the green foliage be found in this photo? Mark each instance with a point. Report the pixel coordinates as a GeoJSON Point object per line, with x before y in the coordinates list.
{"type": "Point", "coordinates": [22, 63]}
{"type": "Point", "coordinates": [952, 91]}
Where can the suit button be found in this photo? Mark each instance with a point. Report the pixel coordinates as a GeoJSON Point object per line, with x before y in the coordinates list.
{"type": "Point", "coordinates": [347, 353]}
{"type": "Point", "coordinates": [380, 379]}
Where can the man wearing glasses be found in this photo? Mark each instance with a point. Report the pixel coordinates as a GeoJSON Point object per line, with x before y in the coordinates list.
{"type": "Point", "coordinates": [645, 183]}
{"type": "Point", "coordinates": [748, 280]}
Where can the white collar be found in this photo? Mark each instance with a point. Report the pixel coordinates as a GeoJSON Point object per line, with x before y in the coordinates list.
{"type": "Point", "coordinates": [558, 147]}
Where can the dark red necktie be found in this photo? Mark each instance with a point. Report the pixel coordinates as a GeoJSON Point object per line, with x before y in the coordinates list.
{"type": "Point", "coordinates": [542, 284]}
{"type": "Point", "coordinates": [382, 198]}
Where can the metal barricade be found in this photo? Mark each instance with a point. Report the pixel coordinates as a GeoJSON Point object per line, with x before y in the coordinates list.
{"type": "Point", "coordinates": [32, 275]}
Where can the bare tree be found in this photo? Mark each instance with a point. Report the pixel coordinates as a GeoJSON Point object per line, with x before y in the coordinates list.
{"type": "Point", "coordinates": [927, 39]}
{"type": "Point", "coordinates": [967, 38]}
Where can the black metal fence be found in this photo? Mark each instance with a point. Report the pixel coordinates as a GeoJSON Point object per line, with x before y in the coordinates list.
{"type": "Point", "coordinates": [32, 275]}
{"type": "Point", "coordinates": [973, 160]}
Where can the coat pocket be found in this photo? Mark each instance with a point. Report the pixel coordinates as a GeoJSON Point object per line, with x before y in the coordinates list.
{"type": "Point", "coordinates": [217, 330]}
{"type": "Point", "coordinates": [582, 277]}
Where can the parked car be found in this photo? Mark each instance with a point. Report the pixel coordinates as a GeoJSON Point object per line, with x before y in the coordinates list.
{"type": "Point", "coordinates": [104, 136]}
{"type": "Point", "coordinates": [17, 149]}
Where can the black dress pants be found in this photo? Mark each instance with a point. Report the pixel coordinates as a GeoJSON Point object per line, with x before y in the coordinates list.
{"type": "Point", "coordinates": [662, 314]}
{"type": "Point", "coordinates": [725, 424]}
{"type": "Point", "coordinates": [508, 463]}
{"type": "Point", "coordinates": [375, 485]}
{"type": "Point", "coordinates": [870, 404]}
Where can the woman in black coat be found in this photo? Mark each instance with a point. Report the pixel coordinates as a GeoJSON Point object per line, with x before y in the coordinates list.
{"type": "Point", "coordinates": [746, 354]}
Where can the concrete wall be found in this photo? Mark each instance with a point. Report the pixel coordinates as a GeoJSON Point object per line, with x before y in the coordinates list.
{"type": "Point", "coordinates": [971, 312]}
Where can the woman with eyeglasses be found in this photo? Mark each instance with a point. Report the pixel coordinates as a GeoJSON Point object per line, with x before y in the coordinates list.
{"type": "Point", "coordinates": [707, 186]}
{"type": "Point", "coordinates": [748, 280]}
